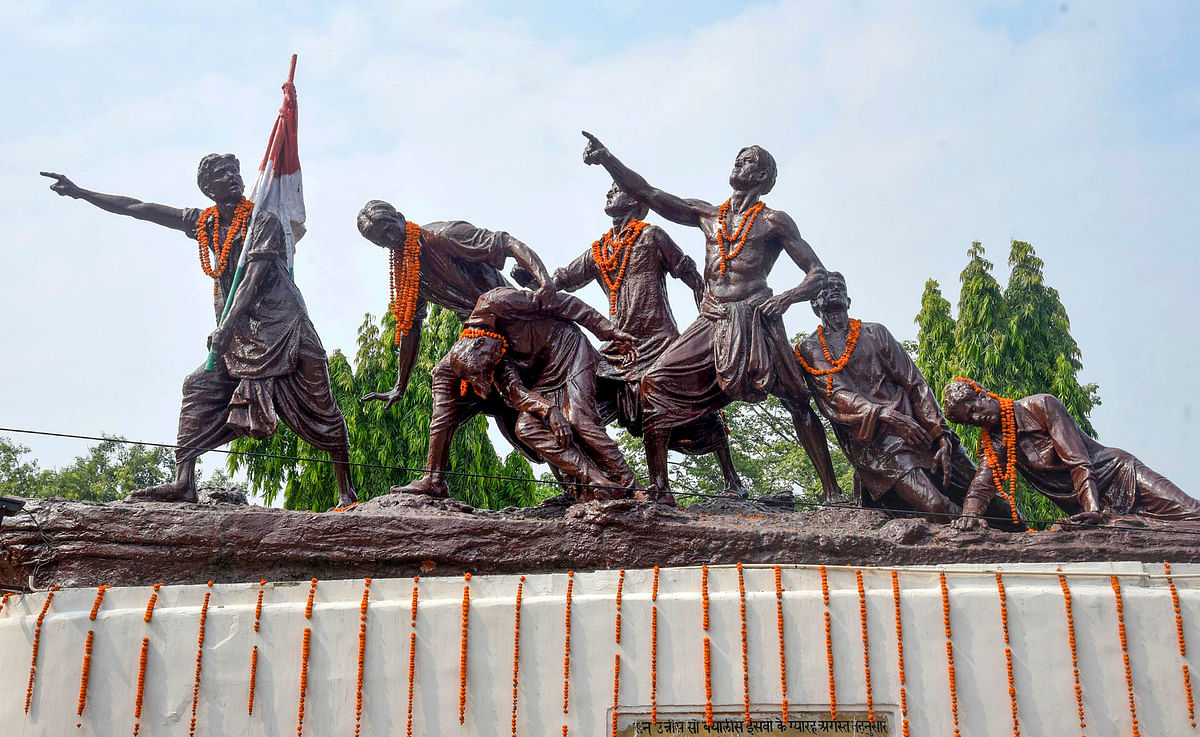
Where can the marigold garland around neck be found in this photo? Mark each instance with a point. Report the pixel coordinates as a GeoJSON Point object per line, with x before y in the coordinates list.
{"type": "Point", "coordinates": [739, 236]}
{"type": "Point", "coordinates": [611, 254]}
{"type": "Point", "coordinates": [1008, 427]}
{"type": "Point", "coordinates": [840, 363]}
{"type": "Point", "coordinates": [481, 333]}
{"type": "Point", "coordinates": [210, 218]}
{"type": "Point", "coordinates": [405, 278]}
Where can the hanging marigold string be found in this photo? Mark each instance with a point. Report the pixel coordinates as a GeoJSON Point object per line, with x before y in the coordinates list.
{"type": "Point", "coordinates": [462, 650]}
{"type": "Point", "coordinates": [1012, 686]}
{"type": "Point", "coordinates": [86, 673]}
{"type": "Point", "coordinates": [745, 643]}
{"type": "Point", "coordinates": [620, 589]}
{"type": "Point", "coordinates": [783, 709]}
{"type": "Point", "coordinates": [654, 649]}
{"type": "Point", "coordinates": [739, 236]}
{"type": "Point", "coordinates": [611, 254]}
{"type": "Point", "coordinates": [900, 656]}
{"type": "Point", "coordinates": [362, 655]}
{"type": "Point", "coordinates": [312, 592]}
{"type": "Point", "coordinates": [1116, 587]}
{"type": "Point", "coordinates": [405, 280]}
{"type": "Point", "coordinates": [1062, 582]}
{"type": "Point", "coordinates": [834, 365]}
{"type": "Point", "coordinates": [1008, 428]}
{"type": "Point", "coordinates": [516, 651]}
{"type": "Point", "coordinates": [567, 646]}
{"type": "Point", "coordinates": [862, 617]}
{"type": "Point", "coordinates": [208, 233]}
{"type": "Point", "coordinates": [616, 690]}
{"type": "Point", "coordinates": [199, 659]}
{"type": "Point", "coordinates": [254, 650]}
{"type": "Point", "coordinates": [829, 644]}
{"type": "Point", "coordinates": [141, 687]}
{"type": "Point", "coordinates": [151, 603]}
{"type": "Point", "coordinates": [1187, 678]}
{"type": "Point", "coordinates": [412, 658]}
{"type": "Point", "coordinates": [708, 710]}
{"type": "Point", "coordinates": [949, 653]}
{"type": "Point", "coordinates": [99, 600]}
{"type": "Point", "coordinates": [37, 641]}
{"type": "Point", "coordinates": [304, 652]}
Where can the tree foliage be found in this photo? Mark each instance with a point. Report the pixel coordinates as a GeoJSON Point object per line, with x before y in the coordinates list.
{"type": "Point", "coordinates": [107, 472]}
{"type": "Point", "coordinates": [1016, 341]}
{"type": "Point", "coordinates": [387, 446]}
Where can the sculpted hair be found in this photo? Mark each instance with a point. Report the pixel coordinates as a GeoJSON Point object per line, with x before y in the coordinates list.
{"type": "Point", "coordinates": [956, 392]}
{"type": "Point", "coordinates": [205, 170]}
{"type": "Point", "coordinates": [766, 162]}
{"type": "Point", "coordinates": [372, 211]}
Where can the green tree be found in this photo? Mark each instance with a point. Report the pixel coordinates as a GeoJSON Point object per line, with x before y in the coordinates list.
{"type": "Point", "coordinates": [388, 446]}
{"type": "Point", "coordinates": [107, 472]}
{"type": "Point", "coordinates": [1016, 341]}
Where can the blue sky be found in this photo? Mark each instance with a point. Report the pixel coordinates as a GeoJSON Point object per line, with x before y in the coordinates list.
{"type": "Point", "coordinates": [903, 131]}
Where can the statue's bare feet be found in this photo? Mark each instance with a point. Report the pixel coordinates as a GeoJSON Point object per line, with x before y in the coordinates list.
{"type": "Point", "coordinates": [665, 498]}
{"type": "Point", "coordinates": [173, 492]}
{"type": "Point", "coordinates": [425, 486]}
{"type": "Point", "coordinates": [347, 498]}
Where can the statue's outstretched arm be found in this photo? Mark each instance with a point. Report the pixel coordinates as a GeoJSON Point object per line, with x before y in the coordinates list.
{"type": "Point", "coordinates": [168, 217]}
{"type": "Point", "coordinates": [672, 207]}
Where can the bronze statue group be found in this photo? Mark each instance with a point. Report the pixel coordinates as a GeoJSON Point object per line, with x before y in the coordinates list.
{"type": "Point", "coordinates": [523, 359]}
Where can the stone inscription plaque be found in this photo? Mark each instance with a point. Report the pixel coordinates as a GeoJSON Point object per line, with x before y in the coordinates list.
{"type": "Point", "coordinates": [798, 723]}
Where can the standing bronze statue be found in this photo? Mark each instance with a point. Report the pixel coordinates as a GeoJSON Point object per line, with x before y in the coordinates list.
{"type": "Point", "coordinates": [270, 364]}
{"type": "Point", "coordinates": [630, 262]}
{"type": "Point", "coordinates": [737, 349]}
{"type": "Point", "coordinates": [537, 362]}
{"type": "Point", "coordinates": [1037, 437]}
{"type": "Point", "coordinates": [883, 412]}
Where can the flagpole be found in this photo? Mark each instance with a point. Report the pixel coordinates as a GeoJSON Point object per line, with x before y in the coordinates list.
{"type": "Point", "coordinates": [241, 264]}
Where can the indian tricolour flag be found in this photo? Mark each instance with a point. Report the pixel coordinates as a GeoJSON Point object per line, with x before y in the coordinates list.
{"type": "Point", "coordinates": [278, 188]}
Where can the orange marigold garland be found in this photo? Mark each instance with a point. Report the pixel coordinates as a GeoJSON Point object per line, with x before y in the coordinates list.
{"type": "Point", "coordinates": [99, 600]}
{"type": "Point", "coordinates": [304, 652]}
{"type": "Point", "coordinates": [462, 651]}
{"type": "Point", "coordinates": [1187, 678]}
{"type": "Point", "coordinates": [1012, 686]}
{"type": "Point", "coordinates": [141, 687]}
{"type": "Point", "coordinates": [708, 710]}
{"type": "Point", "coordinates": [312, 592]}
{"type": "Point", "coordinates": [611, 254]}
{"type": "Point", "coordinates": [1116, 587]}
{"type": "Point", "coordinates": [83, 677]}
{"type": "Point", "coordinates": [834, 365]}
{"type": "Point", "coordinates": [949, 653]}
{"type": "Point", "coordinates": [208, 231]}
{"type": "Point", "coordinates": [412, 658]}
{"type": "Point", "coordinates": [362, 655]}
{"type": "Point", "coordinates": [783, 715]}
{"type": "Point", "coordinates": [1062, 582]}
{"type": "Point", "coordinates": [620, 589]}
{"type": "Point", "coordinates": [616, 690]}
{"type": "Point", "coordinates": [37, 641]}
{"type": "Point", "coordinates": [199, 659]}
{"type": "Point", "coordinates": [739, 236]}
{"type": "Point", "coordinates": [900, 656]}
{"type": "Point", "coordinates": [1008, 428]}
{"type": "Point", "coordinates": [654, 649]}
{"type": "Point", "coordinates": [405, 280]}
{"type": "Point", "coordinates": [151, 603]}
{"type": "Point", "coordinates": [254, 650]}
{"type": "Point", "coordinates": [745, 642]}
{"type": "Point", "coordinates": [567, 646]}
{"type": "Point", "coordinates": [516, 651]}
{"type": "Point", "coordinates": [862, 617]}
{"type": "Point", "coordinates": [829, 644]}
